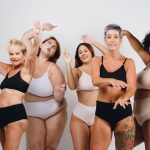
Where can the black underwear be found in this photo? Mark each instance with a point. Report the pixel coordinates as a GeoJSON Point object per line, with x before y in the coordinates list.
{"type": "Point", "coordinates": [11, 114]}
{"type": "Point", "coordinates": [106, 112]}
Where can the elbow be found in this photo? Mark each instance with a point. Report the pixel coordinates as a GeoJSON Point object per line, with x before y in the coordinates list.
{"type": "Point", "coordinates": [72, 86]}
{"type": "Point", "coordinates": [59, 97]}
{"type": "Point", "coordinates": [94, 82]}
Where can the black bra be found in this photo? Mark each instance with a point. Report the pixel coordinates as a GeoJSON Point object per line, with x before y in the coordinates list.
{"type": "Point", "coordinates": [15, 82]}
{"type": "Point", "coordinates": [119, 74]}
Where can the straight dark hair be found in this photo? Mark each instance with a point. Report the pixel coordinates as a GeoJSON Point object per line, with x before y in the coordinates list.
{"type": "Point", "coordinates": [78, 62]}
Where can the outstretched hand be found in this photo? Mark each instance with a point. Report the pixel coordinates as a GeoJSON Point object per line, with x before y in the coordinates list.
{"type": "Point", "coordinates": [122, 102]}
{"type": "Point", "coordinates": [117, 83]}
{"type": "Point", "coordinates": [87, 39]}
{"type": "Point", "coordinates": [48, 26]}
{"type": "Point", "coordinates": [66, 56]}
{"type": "Point", "coordinates": [37, 32]}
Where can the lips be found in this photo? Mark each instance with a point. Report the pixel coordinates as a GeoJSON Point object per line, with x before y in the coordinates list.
{"type": "Point", "coordinates": [14, 60]}
{"type": "Point", "coordinates": [48, 49]}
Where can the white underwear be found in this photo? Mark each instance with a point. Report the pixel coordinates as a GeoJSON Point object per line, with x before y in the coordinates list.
{"type": "Point", "coordinates": [141, 110]}
{"type": "Point", "coordinates": [85, 113]}
{"type": "Point", "coordinates": [41, 110]}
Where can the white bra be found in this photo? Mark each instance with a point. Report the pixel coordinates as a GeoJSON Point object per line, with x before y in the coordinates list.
{"type": "Point", "coordinates": [41, 86]}
{"type": "Point", "coordinates": [85, 82]}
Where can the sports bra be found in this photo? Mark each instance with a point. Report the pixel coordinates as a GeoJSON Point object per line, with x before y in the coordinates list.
{"type": "Point", "coordinates": [41, 86]}
{"type": "Point", "coordinates": [119, 74]}
{"type": "Point", "coordinates": [143, 81]}
{"type": "Point", "coordinates": [15, 82]}
{"type": "Point", "coordinates": [85, 82]}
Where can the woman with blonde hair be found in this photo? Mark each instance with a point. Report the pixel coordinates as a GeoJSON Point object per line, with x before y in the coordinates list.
{"type": "Point", "coordinates": [18, 74]}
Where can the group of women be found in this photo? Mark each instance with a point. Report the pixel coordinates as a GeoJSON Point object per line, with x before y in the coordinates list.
{"type": "Point", "coordinates": [34, 89]}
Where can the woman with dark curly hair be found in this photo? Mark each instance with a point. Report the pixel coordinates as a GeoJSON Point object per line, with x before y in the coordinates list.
{"type": "Point", "coordinates": [142, 94]}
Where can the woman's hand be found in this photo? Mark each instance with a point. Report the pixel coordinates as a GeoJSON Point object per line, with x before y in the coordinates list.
{"type": "Point", "coordinates": [66, 56]}
{"type": "Point", "coordinates": [48, 26]}
{"type": "Point", "coordinates": [86, 38]}
{"type": "Point", "coordinates": [122, 102]}
{"type": "Point", "coordinates": [117, 83]}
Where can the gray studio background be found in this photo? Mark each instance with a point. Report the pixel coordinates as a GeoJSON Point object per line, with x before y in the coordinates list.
{"type": "Point", "coordinates": [74, 18]}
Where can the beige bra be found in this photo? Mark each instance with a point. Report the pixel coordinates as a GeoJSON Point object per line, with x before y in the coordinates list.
{"type": "Point", "coordinates": [143, 78]}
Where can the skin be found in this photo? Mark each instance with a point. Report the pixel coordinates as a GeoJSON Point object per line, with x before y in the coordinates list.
{"type": "Point", "coordinates": [142, 132]}
{"type": "Point", "coordinates": [80, 131]}
{"type": "Point", "coordinates": [12, 132]}
{"type": "Point", "coordinates": [116, 91]}
{"type": "Point", "coordinates": [46, 134]}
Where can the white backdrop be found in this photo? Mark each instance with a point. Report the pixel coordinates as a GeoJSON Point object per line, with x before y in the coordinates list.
{"type": "Point", "coordinates": [74, 18]}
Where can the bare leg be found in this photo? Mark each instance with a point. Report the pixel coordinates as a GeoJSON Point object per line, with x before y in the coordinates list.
{"type": "Point", "coordinates": [138, 134]}
{"type": "Point", "coordinates": [13, 133]}
{"type": "Point", "coordinates": [80, 133]}
{"type": "Point", "coordinates": [35, 135]}
{"type": "Point", "coordinates": [54, 129]}
{"type": "Point", "coordinates": [2, 137]}
{"type": "Point", "coordinates": [146, 133]}
{"type": "Point", "coordinates": [124, 134]}
{"type": "Point", "coordinates": [101, 135]}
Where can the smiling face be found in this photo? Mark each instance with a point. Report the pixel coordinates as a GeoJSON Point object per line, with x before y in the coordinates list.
{"type": "Point", "coordinates": [113, 39]}
{"type": "Point", "coordinates": [84, 54]}
{"type": "Point", "coordinates": [17, 57]}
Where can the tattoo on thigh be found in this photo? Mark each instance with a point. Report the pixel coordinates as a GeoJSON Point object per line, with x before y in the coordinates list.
{"type": "Point", "coordinates": [125, 137]}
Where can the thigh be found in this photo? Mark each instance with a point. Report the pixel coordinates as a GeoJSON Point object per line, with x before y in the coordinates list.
{"type": "Point", "coordinates": [13, 133]}
{"type": "Point", "coordinates": [138, 134]}
{"type": "Point", "coordinates": [124, 134]}
{"type": "Point", "coordinates": [146, 133]}
{"type": "Point", "coordinates": [35, 134]}
{"type": "Point", "coordinates": [2, 137]}
{"type": "Point", "coordinates": [54, 128]}
{"type": "Point", "coordinates": [80, 133]}
{"type": "Point", "coordinates": [101, 135]}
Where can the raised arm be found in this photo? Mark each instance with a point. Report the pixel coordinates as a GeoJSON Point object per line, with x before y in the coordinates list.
{"type": "Point", "coordinates": [31, 40]}
{"type": "Point", "coordinates": [137, 46]}
{"type": "Point", "coordinates": [72, 74]}
{"type": "Point", "coordinates": [90, 40]}
{"type": "Point", "coordinates": [4, 68]}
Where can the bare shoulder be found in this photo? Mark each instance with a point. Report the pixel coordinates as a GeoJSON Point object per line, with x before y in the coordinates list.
{"type": "Point", "coordinates": [129, 63]}
{"type": "Point", "coordinates": [97, 58]}
{"type": "Point", "coordinates": [54, 68]}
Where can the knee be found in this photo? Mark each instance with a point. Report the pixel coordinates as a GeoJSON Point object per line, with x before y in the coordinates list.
{"type": "Point", "coordinates": [51, 145]}
{"type": "Point", "coordinates": [36, 145]}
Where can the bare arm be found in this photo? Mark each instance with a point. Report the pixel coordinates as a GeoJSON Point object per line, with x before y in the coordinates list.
{"type": "Point", "coordinates": [72, 74]}
{"type": "Point", "coordinates": [31, 40]}
{"type": "Point", "coordinates": [90, 40]}
{"type": "Point", "coordinates": [101, 82]}
{"type": "Point", "coordinates": [58, 82]}
{"type": "Point", "coordinates": [137, 46]}
{"type": "Point", "coordinates": [131, 82]}
{"type": "Point", "coordinates": [4, 68]}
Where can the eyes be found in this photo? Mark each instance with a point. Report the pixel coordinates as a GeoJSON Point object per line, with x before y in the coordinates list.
{"type": "Point", "coordinates": [11, 54]}
{"type": "Point", "coordinates": [115, 37]}
{"type": "Point", "coordinates": [81, 51]}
